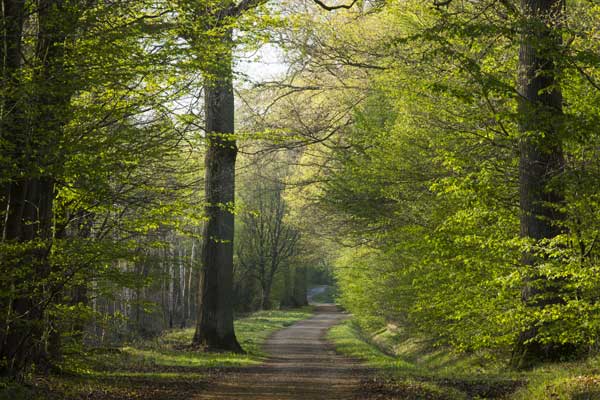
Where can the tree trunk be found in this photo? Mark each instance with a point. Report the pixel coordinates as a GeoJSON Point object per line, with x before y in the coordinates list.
{"type": "Point", "coordinates": [300, 290]}
{"type": "Point", "coordinates": [185, 290]}
{"type": "Point", "coordinates": [287, 299]}
{"type": "Point", "coordinates": [541, 159]}
{"type": "Point", "coordinates": [29, 195]}
{"type": "Point", "coordinates": [10, 59]}
{"type": "Point", "coordinates": [214, 328]}
{"type": "Point", "coordinates": [172, 289]}
{"type": "Point", "coordinates": [265, 303]}
{"type": "Point", "coordinates": [192, 283]}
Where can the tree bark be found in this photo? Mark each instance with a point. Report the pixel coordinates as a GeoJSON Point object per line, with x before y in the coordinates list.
{"type": "Point", "coordinates": [265, 303]}
{"type": "Point", "coordinates": [541, 160]}
{"type": "Point", "coordinates": [10, 58]}
{"type": "Point", "coordinates": [214, 328]}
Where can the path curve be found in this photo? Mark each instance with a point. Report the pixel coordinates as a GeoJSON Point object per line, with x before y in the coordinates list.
{"type": "Point", "coordinates": [315, 291]}
{"type": "Point", "coordinates": [302, 365]}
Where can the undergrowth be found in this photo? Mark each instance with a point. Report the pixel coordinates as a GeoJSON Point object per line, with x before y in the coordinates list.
{"type": "Point", "coordinates": [162, 368]}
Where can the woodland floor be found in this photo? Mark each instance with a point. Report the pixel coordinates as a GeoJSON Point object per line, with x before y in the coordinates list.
{"type": "Point", "coordinates": [297, 362]}
{"type": "Point", "coordinates": [292, 356]}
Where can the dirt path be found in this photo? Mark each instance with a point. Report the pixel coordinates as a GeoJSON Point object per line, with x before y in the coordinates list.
{"type": "Point", "coordinates": [301, 366]}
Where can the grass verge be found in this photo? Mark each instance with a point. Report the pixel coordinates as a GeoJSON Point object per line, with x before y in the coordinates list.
{"type": "Point", "coordinates": [163, 368]}
{"type": "Point", "coordinates": [412, 369]}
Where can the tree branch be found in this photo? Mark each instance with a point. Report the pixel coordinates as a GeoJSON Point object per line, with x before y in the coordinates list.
{"type": "Point", "coordinates": [244, 5]}
{"type": "Point", "coordinates": [331, 8]}
{"type": "Point", "coordinates": [442, 3]}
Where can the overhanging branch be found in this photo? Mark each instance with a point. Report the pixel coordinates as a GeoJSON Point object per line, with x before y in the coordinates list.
{"type": "Point", "coordinates": [245, 5]}
{"type": "Point", "coordinates": [441, 3]}
{"type": "Point", "coordinates": [331, 8]}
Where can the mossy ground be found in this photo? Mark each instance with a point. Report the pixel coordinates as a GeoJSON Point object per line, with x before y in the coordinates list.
{"type": "Point", "coordinates": [163, 368]}
{"type": "Point", "coordinates": [412, 368]}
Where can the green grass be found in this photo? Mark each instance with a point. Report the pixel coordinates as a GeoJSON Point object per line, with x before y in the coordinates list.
{"type": "Point", "coordinates": [568, 381]}
{"type": "Point", "coordinates": [406, 376]}
{"type": "Point", "coordinates": [348, 341]}
{"type": "Point", "coordinates": [441, 373]}
{"type": "Point", "coordinates": [170, 349]}
{"type": "Point", "coordinates": [166, 367]}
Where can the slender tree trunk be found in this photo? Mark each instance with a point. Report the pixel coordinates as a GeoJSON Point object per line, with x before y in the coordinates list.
{"type": "Point", "coordinates": [172, 290]}
{"type": "Point", "coordinates": [10, 59]}
{"type": "Point", "coordinates": [287, 299]}
{"type": "Point", "coordinates": [214, 329]}
{"type": "Point", "coordinates": [185, 289]}
{"type": "Point", "coordinates": [180, 287]}
{"type": "Point", "coordinates": [82, 230]}
{"type": "Point", "coordinates": [192, 282]}
{"type": "Point", "coordinates": [14, 192]}
{"type": "Point", "coordinates": [10, 52]}
{"type": "Point", "coordinates": [138, 299]}
{"type": "Point", "coordinates": [164, 288]}
{"type": "Point", "coordinates": [300, 290]}
{"type": "Point", "coordinates": [541, 160]}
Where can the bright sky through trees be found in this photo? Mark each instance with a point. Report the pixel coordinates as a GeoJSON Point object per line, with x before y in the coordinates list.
{"type": "Point", "coordinates": [266, 64]}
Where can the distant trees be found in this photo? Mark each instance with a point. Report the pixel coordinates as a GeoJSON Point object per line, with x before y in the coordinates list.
{"type": "Point", "coordinates": [267, 241]}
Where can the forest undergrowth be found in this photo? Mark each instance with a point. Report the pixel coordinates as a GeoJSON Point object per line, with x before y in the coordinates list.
{"type": "Point", "coordinates": [162, 368]}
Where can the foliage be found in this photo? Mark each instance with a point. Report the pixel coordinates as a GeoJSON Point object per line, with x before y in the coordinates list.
{"type": "Point", "coordinates": [100, 157]}
{"type": "Point", "coordinates": [267, 243]}
{"type": "Point", "coordinates": [421, 179]}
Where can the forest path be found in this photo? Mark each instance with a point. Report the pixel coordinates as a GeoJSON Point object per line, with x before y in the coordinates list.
{"type": "Point", "coordinates": [315, 291]}
{"type": "Point", "coordinates": [302, 365]}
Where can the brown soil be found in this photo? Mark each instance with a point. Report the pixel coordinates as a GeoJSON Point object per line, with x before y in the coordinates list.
{"type": "Point", "coordinates": [302, 365]}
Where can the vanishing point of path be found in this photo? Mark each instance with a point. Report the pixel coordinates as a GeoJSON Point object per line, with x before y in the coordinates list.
{"type": "Point", "coordinates": [302, 365]}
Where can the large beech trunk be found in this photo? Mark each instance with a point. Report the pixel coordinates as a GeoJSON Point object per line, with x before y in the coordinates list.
{"type": "Point", "coordinates": [27, 336]}
{"type": "Point", "coordinates": [29, 219]}
{"type": "Point", "coordinates": [265, 303]}
{"type": "Point", "coordinates": [541, 161]}
{"type": "Point", "coordinates": [10, 59]}
{"type": "Point", "coordinates": [14, 193]}
{"type": "Point", "coordinates": [214, 327]}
